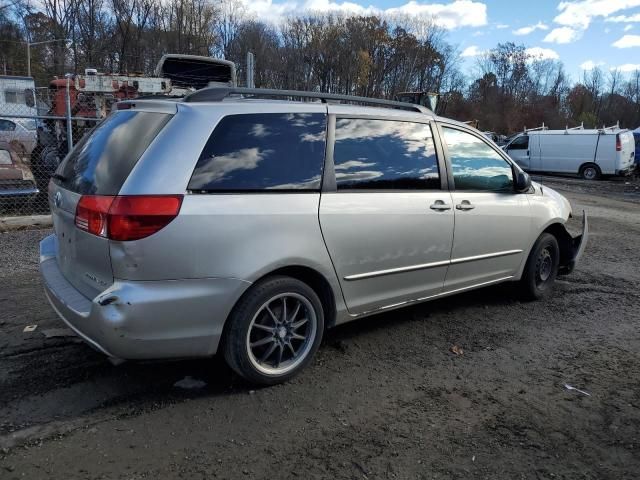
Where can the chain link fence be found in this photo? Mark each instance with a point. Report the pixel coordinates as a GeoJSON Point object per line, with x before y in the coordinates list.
{"type": "Point", "coordinates": [37, 129]}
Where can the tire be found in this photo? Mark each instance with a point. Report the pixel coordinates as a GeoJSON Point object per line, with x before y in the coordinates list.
{"type": "Point", "coordinates": [541, 269]}
{"type": "Point", "coordinates": [590, 171]}
{"type": "Point", "coordinates": [264, 347]}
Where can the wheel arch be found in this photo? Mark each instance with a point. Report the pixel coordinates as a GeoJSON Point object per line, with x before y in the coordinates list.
{"type": "Point", "coordinates": [564, 238]}
{"type": "Point", "coordinates": [312, 277]}
{"type": "Point", "coordinates": [589, 164]}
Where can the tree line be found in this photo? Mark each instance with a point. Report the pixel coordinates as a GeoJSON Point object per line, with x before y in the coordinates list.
{"type": "Point", "coordinates": [372, 55]}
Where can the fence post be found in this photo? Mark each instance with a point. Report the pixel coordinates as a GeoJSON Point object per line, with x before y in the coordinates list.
{"type": "Point", "coordinates": [68, 115]}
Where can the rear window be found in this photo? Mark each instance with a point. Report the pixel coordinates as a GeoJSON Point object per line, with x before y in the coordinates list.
{"type": "Point", "coordinates": [267, 151]}
{"type": "Point", "coordinates": [101, 162]}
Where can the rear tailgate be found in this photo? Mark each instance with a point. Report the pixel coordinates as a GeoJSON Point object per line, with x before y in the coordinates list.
{"type": "Point", "coordinates": [98, 165]}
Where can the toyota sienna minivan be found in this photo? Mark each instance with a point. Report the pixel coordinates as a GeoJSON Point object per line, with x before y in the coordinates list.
{"type": "Point", "coordinates": [233, 221]}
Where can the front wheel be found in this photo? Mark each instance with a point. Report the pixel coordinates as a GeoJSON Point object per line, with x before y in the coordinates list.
{"type": "Point", "coordinates": [274, 331]}
{"type": "Point", "coordinates": [541, 269]}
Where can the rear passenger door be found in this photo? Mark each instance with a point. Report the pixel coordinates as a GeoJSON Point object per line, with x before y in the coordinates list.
{"type": "Point", "coordinates": [385, 212]}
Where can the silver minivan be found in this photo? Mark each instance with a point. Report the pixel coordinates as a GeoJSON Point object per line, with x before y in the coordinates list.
{"type": "Point", "coordinates": [230, 222]}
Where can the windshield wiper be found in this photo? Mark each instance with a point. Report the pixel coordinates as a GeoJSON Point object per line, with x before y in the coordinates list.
{"type": "Point", "coordinates": [57, 176]}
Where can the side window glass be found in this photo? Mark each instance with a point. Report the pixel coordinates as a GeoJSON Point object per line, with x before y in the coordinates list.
{"type": "Point", "coordinates": [520, 143]}
{"type": "Point", "coordinates": [7, 126]}
{"type": "Point", "coordinates": [475, 165]}
{"type": "Point", "coordinates": [384, 154]}
{"type": "Point", "coordinates": [268, 151]}
{"type": "Point", "coordinates": [5, 157]}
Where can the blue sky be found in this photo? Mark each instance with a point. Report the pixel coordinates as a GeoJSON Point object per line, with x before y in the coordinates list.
{"type": "Point", "coordinates": [580, 33]}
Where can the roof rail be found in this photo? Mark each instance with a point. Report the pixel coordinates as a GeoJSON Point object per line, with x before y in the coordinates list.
{"type": "Point", "coordinates": [217, 94]}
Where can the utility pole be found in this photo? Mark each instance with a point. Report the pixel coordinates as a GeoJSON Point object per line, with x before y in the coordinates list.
{"type": "Point", "coordinates": [250, 70]}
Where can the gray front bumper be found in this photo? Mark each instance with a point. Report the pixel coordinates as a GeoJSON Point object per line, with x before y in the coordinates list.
{"type": "Point", "coordinates": [143, 319]}
{"type": "Point", "coordinates": [576, 247]}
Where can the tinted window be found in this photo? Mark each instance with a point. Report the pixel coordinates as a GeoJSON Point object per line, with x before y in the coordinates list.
{"type": "Point", "coordinates": [383, 154]}
{"type": "Point", "coordinates": [102, 161]}
{"type": "Point", "coordinates": [7, 126]}
{"type": "Point", "coordinates": [520, 143]}
{"type": "Point", "coordinates": [269, 151]}
{"type": "Point", "coordinates": [475, 165]}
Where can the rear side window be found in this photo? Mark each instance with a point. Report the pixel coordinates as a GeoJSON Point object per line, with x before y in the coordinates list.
{"type": "Point", "coordinates": [384, 155]}
{"type": "Point", "coordinates": [101, 162]}
{"type": "Point", "coordinates": [267, 151]}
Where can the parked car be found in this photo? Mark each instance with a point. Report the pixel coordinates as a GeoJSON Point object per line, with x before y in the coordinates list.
{"type": "Point", "coordinates": [21, 134]}
{"type": "Point", "coordinates": [588, 153]}
{"type": "Point", "coordinates": [226, 224]}
{"type": "Point", "coordinates": [16, 179]}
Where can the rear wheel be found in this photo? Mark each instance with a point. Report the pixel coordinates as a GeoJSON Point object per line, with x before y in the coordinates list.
{"type": "Point", "coordinates": [590, 172]}
{"type": "Point", "coordinates": [541, 269]}
{"type": "Point", "coordinates": [274, 331]}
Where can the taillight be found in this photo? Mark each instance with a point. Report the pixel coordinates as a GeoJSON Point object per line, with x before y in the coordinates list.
{"type": "Point", "coordinates": [126, 217]}
{"type": "Point", "coordinates": [618, 143]}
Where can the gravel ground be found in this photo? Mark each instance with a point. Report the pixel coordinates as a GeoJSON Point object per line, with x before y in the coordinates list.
{"type": "Point", "coordinates": [385, 397]}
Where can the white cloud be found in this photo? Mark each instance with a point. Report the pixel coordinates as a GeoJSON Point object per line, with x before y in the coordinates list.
{"type": "Point", "coordinates": [628, 27]}
{"type": "Point", "coordinates": [459, 13]}
{"type": "Point", "coordinates": [472, 51]}
{"type": "Point", "coordinates": [530, 29]}
{"type": "Point", "coordinates": [590, 65]}
{"type": "Point", "coordinates": [563, 35]}
{"type": "Point", "coordinates": [502, 26]}
{"type": "Point", "coordinates": [627, 67]}
{"type": "Point", "coordinates": [627, 41]}
{"type": "Point", "coordinates": [539, 53]}
{"type": "Point", "coordinates": [579, 14]}
{"type": "Point", "coordinates": [624, 18]}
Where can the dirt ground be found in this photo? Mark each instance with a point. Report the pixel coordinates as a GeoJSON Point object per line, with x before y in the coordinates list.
{"type": "Point", "coordinates": [385, 397]}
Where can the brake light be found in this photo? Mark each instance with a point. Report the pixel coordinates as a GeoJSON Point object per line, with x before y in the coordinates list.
{"type": "Point", "coordinates": [618, 143]}
{"type": "Point", "coordinates": [126, 217]}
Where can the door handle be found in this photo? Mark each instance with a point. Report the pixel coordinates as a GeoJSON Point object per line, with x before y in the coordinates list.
{"type": "Point", "coordinates": [528, 154]}
{"type": "Point", "coordinates": [440, 206]}
{"type": "Point", "coordinates": [465, 205]}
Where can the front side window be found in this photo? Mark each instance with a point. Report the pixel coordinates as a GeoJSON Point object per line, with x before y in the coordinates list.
{"type": "Point", "coordinates": [520, 143]}
{"type": "Point", "coordinates": [266, 151]}
{"type": "Point", "coordinates": [384, 155]}
{"type": "Point", "coordinates": [475, 165]}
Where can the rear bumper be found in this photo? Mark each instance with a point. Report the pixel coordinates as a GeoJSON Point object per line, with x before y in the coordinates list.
{"type": "Point", "coordinates": [626, 171]}
{"type": "Point", "coordinates": [143, 320]}
{"type": "Point", "coordinates": [23, 191]}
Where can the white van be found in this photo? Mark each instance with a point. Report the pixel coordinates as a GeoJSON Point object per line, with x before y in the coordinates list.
{"type": "Point", "coordinates": [589, 153]}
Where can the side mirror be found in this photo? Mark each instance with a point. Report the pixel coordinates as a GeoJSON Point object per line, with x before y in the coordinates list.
{"type": "Point", "coordinates": [522, 181]}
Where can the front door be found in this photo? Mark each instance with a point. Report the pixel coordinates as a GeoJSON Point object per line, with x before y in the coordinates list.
{"type": "Point", "coordinates": [519, 151]}
{"type": "Point", "coordinates": [492, 221]}
{"type": "Point", "coordinates": [388, 223]}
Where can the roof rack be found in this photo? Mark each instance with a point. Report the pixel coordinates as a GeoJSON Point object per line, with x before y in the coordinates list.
{"type": "Point", "coordinates": [217, 94]}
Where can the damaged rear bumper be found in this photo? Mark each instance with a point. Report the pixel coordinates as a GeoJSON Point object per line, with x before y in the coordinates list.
{"type": "Point", "coordinates": [573, 248]}
{"type": "Point", "coordinates": [137, 320]}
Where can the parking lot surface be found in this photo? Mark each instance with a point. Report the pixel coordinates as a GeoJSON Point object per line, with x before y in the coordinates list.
{"type": "Point", "coordinates": [385, 398]}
